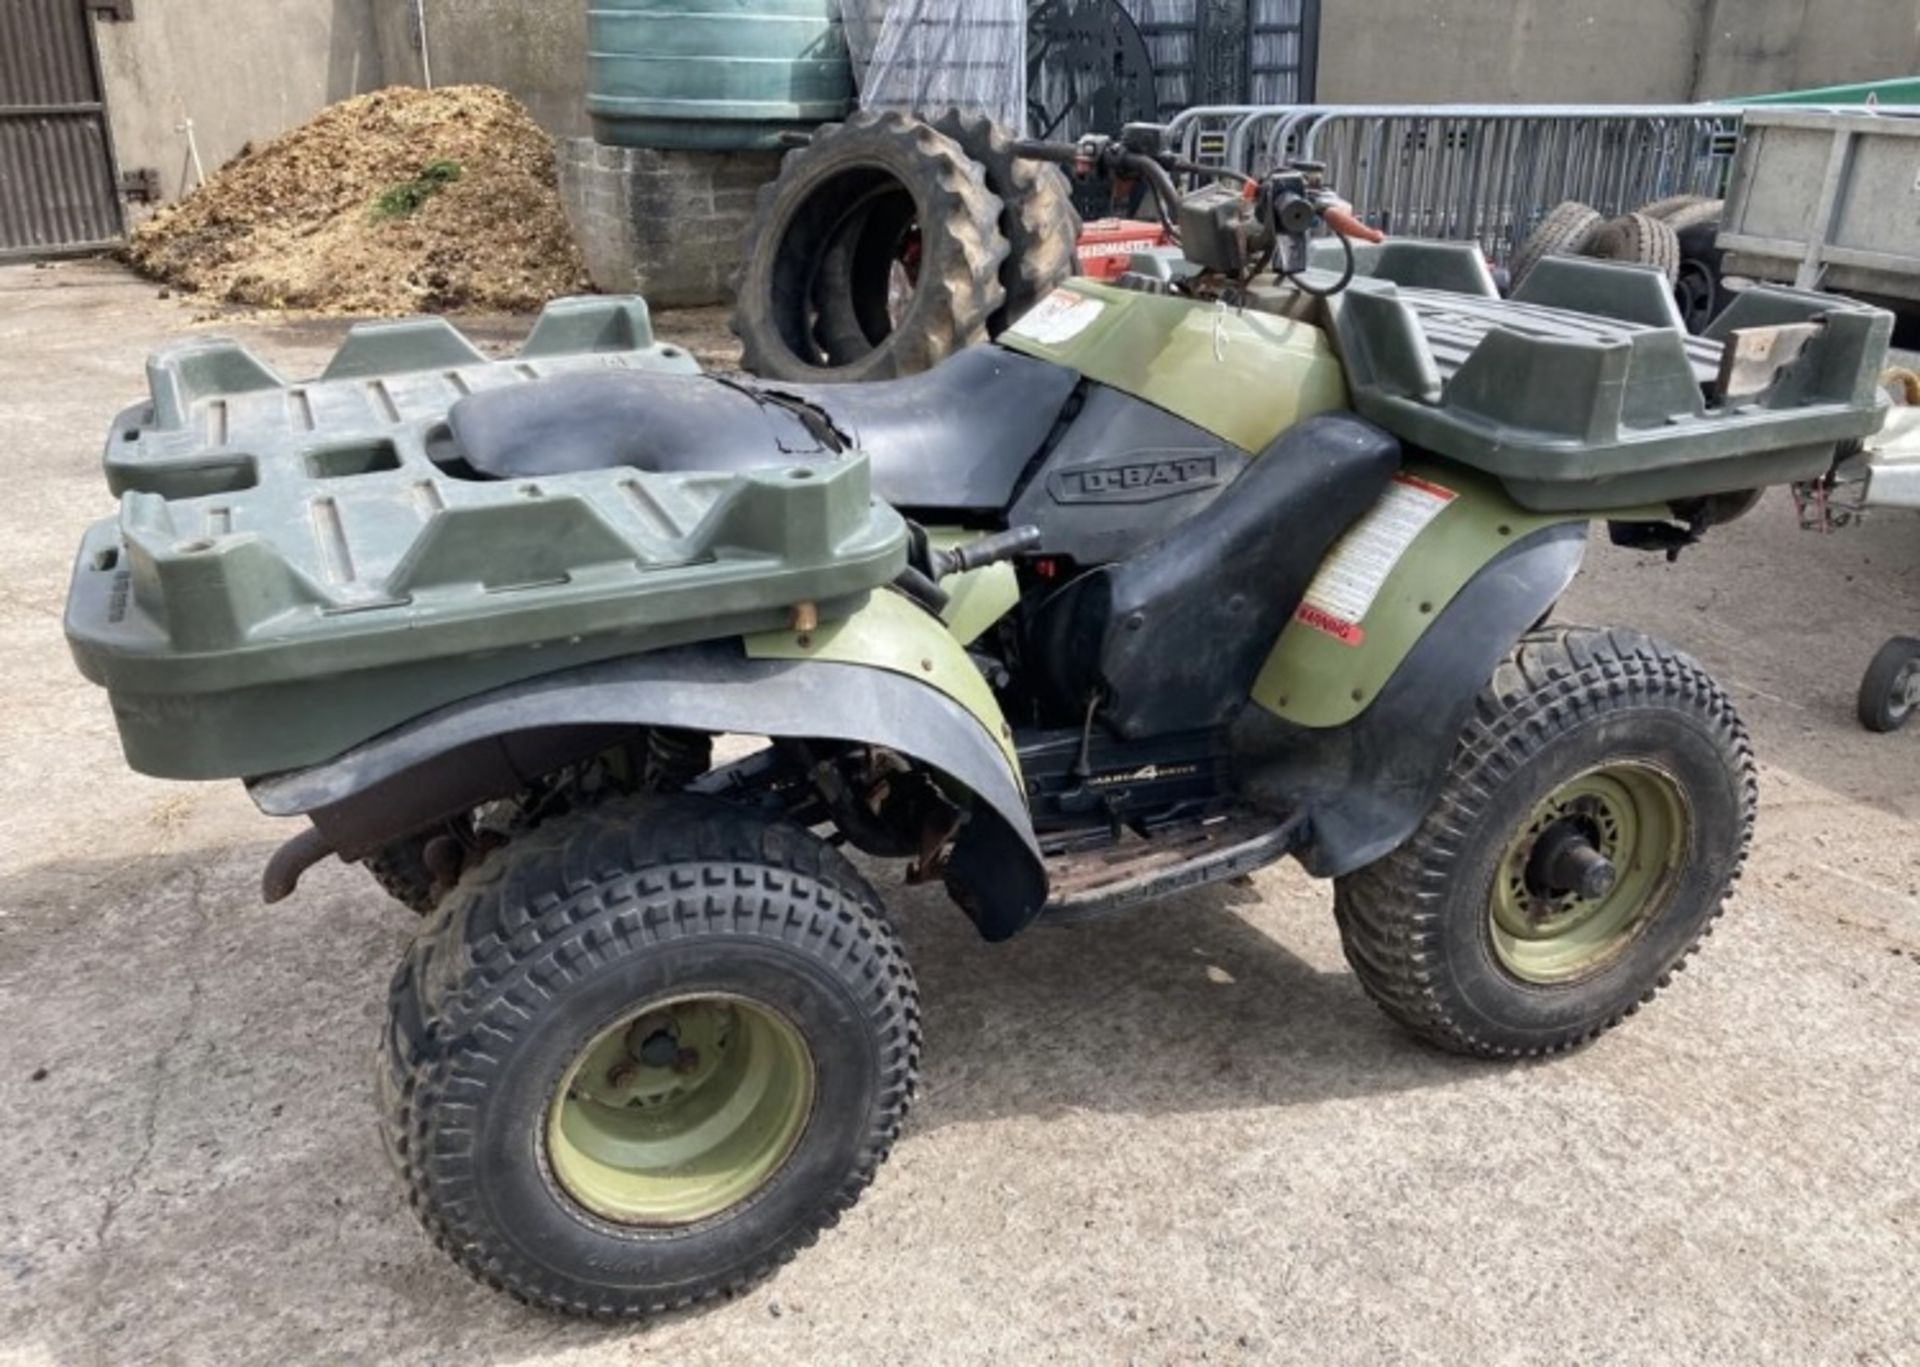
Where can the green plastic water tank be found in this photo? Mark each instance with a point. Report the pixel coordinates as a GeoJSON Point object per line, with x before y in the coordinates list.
{"type": "Point", "coordinates": [713, 73]}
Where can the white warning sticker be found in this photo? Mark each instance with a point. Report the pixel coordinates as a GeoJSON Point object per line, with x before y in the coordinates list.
{"type": "Point", "coordinates": [1060, 317]}
{"type": "Point", "coordinates": [1350, 577]}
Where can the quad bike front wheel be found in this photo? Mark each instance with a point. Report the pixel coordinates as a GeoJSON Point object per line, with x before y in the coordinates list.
{"type": "Point", "coordinates": [1595, 819]}
{"type": "Point", "coordinates": [645, 1053]}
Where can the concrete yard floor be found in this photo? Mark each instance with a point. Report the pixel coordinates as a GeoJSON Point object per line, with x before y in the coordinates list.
{"type": "Point", "coordinates": [1180, 1136]}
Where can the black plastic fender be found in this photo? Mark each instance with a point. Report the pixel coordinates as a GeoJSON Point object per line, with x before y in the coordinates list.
{"type": "Point", "coordinates": [495, 743]}
{"type": "Point", "coordinates": [1365, 785]}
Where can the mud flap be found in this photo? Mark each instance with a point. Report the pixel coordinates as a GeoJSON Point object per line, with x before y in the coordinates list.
{"type": "Point", "coordinates": [493, 744]}
{"type": "Point", "coordinates": [1366, 783]}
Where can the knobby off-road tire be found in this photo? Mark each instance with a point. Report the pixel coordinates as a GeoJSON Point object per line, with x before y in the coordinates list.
{"type": "Point", "coordinates": [1565, 231]}
{"type": "Point", "coordinates": [554, 943]}
{"type": "Point", "coordinates": [1638, 239]}
{"type": "Point", "coordinates": [801, 214]}
{"type": "Point", "coordinates": [1565, 705]}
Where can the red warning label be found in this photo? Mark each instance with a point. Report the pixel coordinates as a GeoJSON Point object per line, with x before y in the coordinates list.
{"type": "Point", "coordinates": [1351, 576]}
{"type": "Point", "coordinates": [1320, 620]}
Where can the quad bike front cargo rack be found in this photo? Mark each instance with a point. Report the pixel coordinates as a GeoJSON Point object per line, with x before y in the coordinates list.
{"type": "Point", "coordinates": [298, 566]}
{"type": "Point", "coordinates": [1584, 390]}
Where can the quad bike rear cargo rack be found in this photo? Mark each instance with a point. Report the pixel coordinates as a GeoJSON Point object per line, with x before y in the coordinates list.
{"type": "Point", "coordinates": [298, 566]}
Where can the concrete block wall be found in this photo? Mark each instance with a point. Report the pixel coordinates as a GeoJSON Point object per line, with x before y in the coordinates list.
{"type": "Point", "coordinates": [1606, 51]}
{"type": "Point", "coordinates": [664, 224]}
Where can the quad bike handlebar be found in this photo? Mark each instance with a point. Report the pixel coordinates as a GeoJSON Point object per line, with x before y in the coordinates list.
{"type": "Point", "coordinates": [1233, 224]}
{"type": "Point", "coordinates": [1096, 156]}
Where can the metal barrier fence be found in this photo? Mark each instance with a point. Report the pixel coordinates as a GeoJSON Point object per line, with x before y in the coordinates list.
{"type": "Point", "coordinates": [1487, 173]}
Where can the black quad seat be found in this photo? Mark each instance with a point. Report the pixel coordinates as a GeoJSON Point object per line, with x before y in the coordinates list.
{"type": "Point", "coordinates": [956, 437]}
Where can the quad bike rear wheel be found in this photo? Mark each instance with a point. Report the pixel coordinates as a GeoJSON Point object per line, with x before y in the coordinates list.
{"type": "Point", "coordinates": [1595, 820]}
{"type": "Point", "coordinates": [645, 1053]}
{"type": "Point", "coordinates": [883, 180]}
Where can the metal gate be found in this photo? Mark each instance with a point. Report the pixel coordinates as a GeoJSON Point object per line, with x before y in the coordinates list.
{"type": "Point", "coordinates": [57, 188]}
{"type": "Point", "coordinates": [1093, 65]}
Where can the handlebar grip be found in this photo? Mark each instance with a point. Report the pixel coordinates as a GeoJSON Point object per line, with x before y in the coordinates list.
{"type": "Point", "coordinates": [1343, 221]}
{"type": "Point", "coordinates": [1034, 150]}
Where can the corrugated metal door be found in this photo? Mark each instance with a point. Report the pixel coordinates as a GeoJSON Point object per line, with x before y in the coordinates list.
{"type": "Point", "coordinates": [57, 190]}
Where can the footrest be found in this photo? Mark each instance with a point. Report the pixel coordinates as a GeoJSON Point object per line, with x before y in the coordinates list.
{"type": "Point", "coordinates": [1091, 884]}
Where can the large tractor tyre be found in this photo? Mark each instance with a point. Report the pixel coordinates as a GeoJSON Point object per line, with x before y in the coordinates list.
{"type": "Point", "coordinates": [1565, 231]}
{"type": "Point", "coordinates": [868, 274]}
{"type": "Point", "coordinates": [1037, 216]}
{"type": "Point", "coordinates": [867, 271]}
{"type": "Point", "coordinates": [1595, 820]}
{"type": "Point", "coordinates": [1890, 689]}
{"type": "Point", "coordinates": [924, 180]}
{"type": "Point", "coordinates": [1640, 240]}
{"type": "Point", "coordinates": [644, 1054]}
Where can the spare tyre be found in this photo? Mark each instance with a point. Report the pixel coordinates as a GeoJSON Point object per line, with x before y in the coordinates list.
{"type": "Point", "coordinates": [1665, 209]}
{"type": "Point", "coordinates": [1694, 215]}
{"type": "Point", "coordinates": [1565, 231]}
{"type": "Point", "coordinates": [1639, 239]}
{"type": "Point", "coordinates": [888, 167]}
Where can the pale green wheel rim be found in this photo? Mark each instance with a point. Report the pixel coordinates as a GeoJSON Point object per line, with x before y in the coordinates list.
{"type": "Point", "coordinates": [681, 1110]}
{"type": "Point", "coordinates": [1636, 815]}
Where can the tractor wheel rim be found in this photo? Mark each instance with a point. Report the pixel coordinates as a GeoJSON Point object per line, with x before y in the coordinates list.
{"type": "Point", "coordinates": [681, 1110]}
{"type": "Point", "coordinates": [1635, 815]}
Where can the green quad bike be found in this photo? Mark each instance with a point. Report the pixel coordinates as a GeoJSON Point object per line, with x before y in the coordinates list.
{"type": "Point", "coordinates": [1253, 554]}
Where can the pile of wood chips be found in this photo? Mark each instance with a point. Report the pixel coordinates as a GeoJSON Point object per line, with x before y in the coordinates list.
{"type": "Point", "coordinates": [299, 223]}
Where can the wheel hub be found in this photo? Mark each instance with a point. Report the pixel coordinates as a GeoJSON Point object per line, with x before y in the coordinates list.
{"type": "Point", "coordinates": [1589, 868]}
{"type": "Point", "coordinates": [1564, 862]}
{"type": "Point", "coordinates": [1906, 689]}
{"type": "Point", "coordinates": [676, 1113]}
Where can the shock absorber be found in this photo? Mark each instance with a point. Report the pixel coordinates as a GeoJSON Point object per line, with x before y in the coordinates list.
{"type": "Point", "coordinates": [676, 758]}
